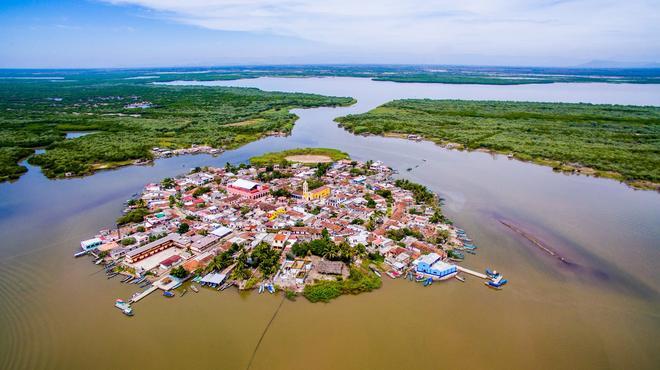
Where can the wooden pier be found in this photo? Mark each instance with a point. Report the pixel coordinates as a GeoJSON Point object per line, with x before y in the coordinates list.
{"type": "Point", "coordinates": [471, 272]}
{"type": "Point", "coordinates": [143, 294]}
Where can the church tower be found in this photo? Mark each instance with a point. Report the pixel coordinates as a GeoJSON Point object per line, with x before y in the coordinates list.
{"type": "Point", "coordinates": [305, 190]}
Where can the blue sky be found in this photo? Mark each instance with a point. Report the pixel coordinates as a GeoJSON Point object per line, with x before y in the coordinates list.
{"type": "Point", "coordinates": [142, 33]}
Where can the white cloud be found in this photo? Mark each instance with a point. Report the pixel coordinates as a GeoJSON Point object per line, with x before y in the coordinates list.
{"type": "Point", "coordinates": [540, 28]}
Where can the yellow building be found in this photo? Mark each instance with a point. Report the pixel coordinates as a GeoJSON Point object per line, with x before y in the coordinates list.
{"type": "Point", "coordinates": [318, 193]}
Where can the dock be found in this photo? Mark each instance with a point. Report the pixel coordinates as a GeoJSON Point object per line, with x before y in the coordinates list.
{"type": "Point", "coordinates": [471, 272]}
{"type": "Point", "coordinates": [143, 294]}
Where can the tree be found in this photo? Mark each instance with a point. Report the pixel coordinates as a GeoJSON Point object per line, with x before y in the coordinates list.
{"type": "Point", "coordinates": [183, 228]}
{"type": "Point", "coordinates": [167, 183]}
{"type": "Point", "coordinates": [179, 272]}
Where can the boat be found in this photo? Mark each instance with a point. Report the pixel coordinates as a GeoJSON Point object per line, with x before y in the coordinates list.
{"type": "Point", "coordinates": [261, 288]}
{"type": "Point", "coordinates": [194, 289]}
{"type": "Point", "coordinates": [127, 279]}
{"type": "Point", "coordinates": [271, 288]}
{"type": "Point", "coordinates": [460, 278]}
{"type": "Point", "coordinates": [410, 275]}
{"type": "Point", "coordinates": [470, 251]}
{"type": "Point", "coordinates": [140, 280]}
{"type": "Point", "coordinates": [183, 293]}
{"type": "Point", "coordinates": [419, 278]}
{"type": "Point", "coordinates": [110, 276]}
{"type": "Point", "coordinates": [225, 285]}
{"type": "Point", "coordinates": [492, 274]}
{"type": "Point", "coordinates": [456, 254]}
{"type": "Point", "coordinates": [392, 274]}
{"type": "Point", "coordinates": [470, 246]}
{"type": "Point", "coordinates": [168, 294]}
{"type": "Point", "coordinates": [145, 284]}
{"type": "Point", "coordinates": [127, 311]}
{"type": "Point", "coordinates": [98, 261]}
{"type": "Point", "coordinates": [428, 281]}
{"type": "Point", "coordinates": [454, 259]}
{"type": "Point", "coordinates": [80, 254]}
{"type": "Point", "coordinates": [119, 303]}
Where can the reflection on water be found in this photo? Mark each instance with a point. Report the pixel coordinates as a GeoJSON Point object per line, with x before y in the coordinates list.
{"type": "Point", "coordinates": [603, 313]}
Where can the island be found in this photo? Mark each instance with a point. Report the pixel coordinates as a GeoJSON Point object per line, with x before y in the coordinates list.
{"type": "Point", "coordinates": [318, 229]}
{"type": "Point", "coordinates": [615, 141]}
{"type": "Point", "coordinates": [132, 121]}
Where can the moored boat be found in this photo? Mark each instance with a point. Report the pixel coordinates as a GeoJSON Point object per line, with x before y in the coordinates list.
{"type": "Point", "coordinates": [168, 294]}
{"type": "Point", "coordinates": [460, 278]}
{"type": "Point", "coordinates": [194, 289]}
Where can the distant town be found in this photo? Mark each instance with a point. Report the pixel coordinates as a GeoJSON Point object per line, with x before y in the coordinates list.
{"type": "Point", "coordinates": [319, 229]}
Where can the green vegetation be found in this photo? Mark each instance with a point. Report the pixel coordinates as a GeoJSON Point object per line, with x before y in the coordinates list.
{"type": "Point", "coordinates": [326, 248]}
{"type": "Point", "coordinates": [9, 169]}
{"type": "Point", "coordinates": [359, 281]}
{"type": "Point", "coordinates": [621, 142]}
{"type": "Point", "coordinates": [38, 113]}
{"type": "Point", "coordinates": [266, 259]}
{"type": "Point", "coordinates": [280, 157]}
{"type": "Point", "coordinates": [133, 216]}
{"type": "Point", "coordinates": [420, 193]}
{"type": "Point", "coordinates": [179, 272]}
{"type": "Point", "coordinates": [183, 228]}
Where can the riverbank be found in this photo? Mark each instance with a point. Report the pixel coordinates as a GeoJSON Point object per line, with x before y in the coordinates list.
{"type": "Point", "coordinates": [618, 142]}
{"type": "Point", "coordinates": [129, 119]}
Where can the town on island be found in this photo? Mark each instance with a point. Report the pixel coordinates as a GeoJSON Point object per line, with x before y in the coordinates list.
{"type": "Point", "coordinates": [304, 221]}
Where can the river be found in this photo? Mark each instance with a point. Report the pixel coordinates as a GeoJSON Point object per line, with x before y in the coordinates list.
{"type": "Point", "coordinates": [601, 311]}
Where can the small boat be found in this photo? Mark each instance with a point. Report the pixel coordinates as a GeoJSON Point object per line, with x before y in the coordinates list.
{"type": "Point", "coordinates": [168, 294]}
{"type": "Point", "coordinates": [410, 275]}
{"type": "Point", "coordinates": [271, 288]}
{"type": "Point", "coordinates": [492, 274]}
{"type": "Point", "coordinates": [261, 288]}
{"type": "Point", "coordinates": [140, 280]}
{"type": "Point", "coordinates": [127, 279]}
{"type": "Point", "coordinates": [145, 284]}
{"type": "Point", "coordinates": [460, 278]}
{"type": "Point", "coordinates": [428, 281]}
{"type": "Point", "coordinates": [470, 251]}
{"type": "Point", "coordinates": [98, 261]}
{"type": "Point", "coordinates": [454, 259]}
{"type": "Point", "coordinates": [420, 278]}
{"type": "Point", "coordinates": [470, 246]}
{"type": "Point", "coordinates": [225, 285]}
{"type": "Point", "coordinates": [80, 254]}
{"type": "Point", "coordinates": [127, 311]}
{"type": "Point", "coordinates": [194, 289]}
{"type": "Point", "coordinates": [183, 293]}
{"type": "Point", "coordinates": [392, 274]}
{"type": "Point", "coordinates": [110, 276]}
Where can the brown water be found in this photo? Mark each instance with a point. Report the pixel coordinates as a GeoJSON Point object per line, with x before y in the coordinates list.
{"type": "Point", "coordinates": [600, 312]}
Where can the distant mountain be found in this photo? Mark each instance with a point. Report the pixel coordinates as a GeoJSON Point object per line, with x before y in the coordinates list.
{"type": "Point", "coordinates": [615, 64]}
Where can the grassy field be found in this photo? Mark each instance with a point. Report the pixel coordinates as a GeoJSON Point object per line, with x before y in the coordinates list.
{"type": "Point", "coordinates": [38, 113]}
{"type": "Point", "coordinates": [278, 157]}
{"type": "Point", "coordinates": [621, 142]}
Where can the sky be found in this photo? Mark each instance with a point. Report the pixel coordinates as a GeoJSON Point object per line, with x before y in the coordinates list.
{"type": "Point", "coordinates": [159, 33]}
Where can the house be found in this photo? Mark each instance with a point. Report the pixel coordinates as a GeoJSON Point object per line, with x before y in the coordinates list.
{"type": "Point", "coordinates": [279, 241]}
{"type": "Point", "coordinates": [201, 243]}
{"type": "Point", "coordinates": [170, 261]}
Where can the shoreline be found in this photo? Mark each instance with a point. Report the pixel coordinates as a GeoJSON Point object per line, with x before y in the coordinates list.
{"type": "Point", "coordinates": [556, 166]}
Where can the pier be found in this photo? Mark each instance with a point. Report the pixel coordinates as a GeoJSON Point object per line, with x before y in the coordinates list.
{"type": "Point", "coordinates": [143, 294]}
{"type": "Point", "coordinates": [471, 272]}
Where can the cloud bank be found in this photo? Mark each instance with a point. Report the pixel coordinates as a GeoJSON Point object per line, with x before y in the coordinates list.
{"type": "Point", "coordinates": [535, 28]}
